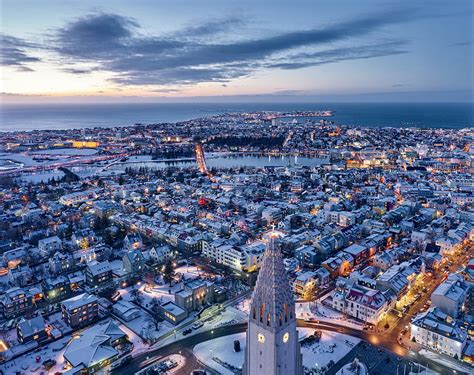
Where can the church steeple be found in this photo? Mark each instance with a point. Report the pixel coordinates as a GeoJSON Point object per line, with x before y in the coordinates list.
{"type": "Point", "coordinates": [272, 304]}
{"type": "Point", "coordinates": [272, 339]}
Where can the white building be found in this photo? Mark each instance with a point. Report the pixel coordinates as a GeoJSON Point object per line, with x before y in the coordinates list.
{"type": "Point", "coordinates": [243, 258]}
{"type": "Point", "coordinates": [448, 245]}
{"type": "Point", "coordinates": [450, 295]}
{"type": "Point", "coordinates": [272, 339]}
{"type": "Point", "coordinates": [436, 330]}
{"type": "Point", "coordinates": [304, 282]}
{"type": "Point", "coordinates": [60, 262]}
{"type": "Point", "coordinates": [78, 197]}
{"type": "Point", "coordinates": [48, 246]}
{"type": "Point", "coordinates": [161, 254]}
{"type": "Point", "coordinates": [360, 302]}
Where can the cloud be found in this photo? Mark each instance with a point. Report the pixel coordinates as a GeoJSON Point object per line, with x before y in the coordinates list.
{"type": "Point", "coordinates": [14, 53]}
{"type": "Point", "coordinates": [205, 52]}
{"type": "Point", "coordinates": [79, 70]}
{"type": "Point", "coordinates": [210, 28]}
{"type": "Point", "coordinates": [199, 53]}
{"type": "Point", "coordinates": [464, 43]}
{"type": "Point", "coordinates": [94, 36]}
{"type": "Point", "coordinates": [303, 60]}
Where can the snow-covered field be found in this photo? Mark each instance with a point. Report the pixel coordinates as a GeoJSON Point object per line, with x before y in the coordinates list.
{"type": "Point", "coordinates": [214, 353]}
{"type": "Point", "coordinates": [230, 315]}
{"type": "Point", "coordinates": [66, 151]}
{"type": "Point", "coordinates": [332, 346]}
{"type": "Point", "coordinates": [219, 352]}
{"type": "Point", "coordinates": [188, 272]}
{"type": "Point", "coordinates": [31, 363]}
{"type": "Point", "coordinates": [138, 345]}
{"type": "Point", "coordinates": [244, 306]}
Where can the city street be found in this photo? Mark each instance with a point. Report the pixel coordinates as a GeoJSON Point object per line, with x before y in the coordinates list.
{"type": "Point", "coordinates": [386, 342]}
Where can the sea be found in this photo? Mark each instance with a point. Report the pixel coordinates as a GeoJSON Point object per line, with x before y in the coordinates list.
{"type": "Point", "coordinates": [22, 117]}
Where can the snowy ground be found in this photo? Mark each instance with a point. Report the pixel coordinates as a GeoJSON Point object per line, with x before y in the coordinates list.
{"type": "Point", "coordinates": [31, 363]}
{"type": "Point", "coordinates": [230, 315]}
{"type": "Point", "coordinates": [219, 352]}
{"type": "Point", "coordinates": [189, 272]}
{"type": "Point", "coordinates": [214, 353]}
{"type": "Point", "coordinates": [312, 310]}
{"type": "Point", "coordinates": [244, 306]}
{"type": "Point", "coordinates": [144, 326]}
{"type": "Point", "coordinates": [332, 346]}
{"type": "Point", "coordinates": [162, 293]}
{"type": "Point", "coordinates": [138, 345]}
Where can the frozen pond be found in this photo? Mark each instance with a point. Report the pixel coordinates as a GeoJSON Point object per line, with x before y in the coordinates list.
{"type": "Point", "coordinates": [228, 161]}
{"type": "Point", "coordinates": [66, 151]}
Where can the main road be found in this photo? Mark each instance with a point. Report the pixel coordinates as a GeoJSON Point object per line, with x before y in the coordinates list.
{"type": "Point", "coordinates": [185, 345]}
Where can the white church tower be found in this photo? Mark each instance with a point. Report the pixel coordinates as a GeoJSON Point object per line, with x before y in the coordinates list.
{"type": "Point", "coordinates": [272, 339]}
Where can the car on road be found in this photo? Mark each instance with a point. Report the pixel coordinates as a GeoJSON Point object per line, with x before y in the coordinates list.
{"type": "Point", "coordinates": [187, 331]}
{"type": "Point", "coordinates": [197, 324]}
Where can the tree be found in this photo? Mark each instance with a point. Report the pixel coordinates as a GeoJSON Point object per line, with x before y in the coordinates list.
{"type": "Point", "coordinates": [309, 291]}
{"type": "Point", "coordinates": [168, 272]}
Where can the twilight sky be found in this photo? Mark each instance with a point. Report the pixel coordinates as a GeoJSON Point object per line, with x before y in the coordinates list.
{"type": "Point", "coordinates": [144, 50]}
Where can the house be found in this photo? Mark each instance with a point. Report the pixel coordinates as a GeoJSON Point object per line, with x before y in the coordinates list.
{"type": "Point", "coordinates": [132, 241]}
{"type": "Point", "coordinates": [360, 302]}
{"type": "Point", "coordinates": [134, 262]}
{"type": "Point", "coordinates": [195, 294]}
{"type": "Point", "coordinates": [80, 310]}
{"type": "Point", "coordinates": [48, 246]}
{"type": "Point", "coordinates": [397, 278]}
{"type": "Point", "coordinates": [160, 254]}
{"type": "Point", "coordinates": [21, 275]}
{"type": "Point", "coordinates": [96, 347]}
{"type": "Point", "coordinates": [305, 284]}
{"type": "Point", "coordinates": [31, 330]}
{"type": "Point", "coordinates": [358, 252]}
{"type": "Point", "coordinates": [433, 260]}
{"type": "Point", "coordinates": [99, 275]}
{"type": "Point", "coordinates": [340, 265]}
{"type": "Point", "coordinates": [172, 312]}
{"type": "Point", "coordinates": [384, 260]}
{"type": "Point", "coordinates": [126, 310]}
{"type": "Point", "coordinates": [307, 256]}
{"type": "Point", "coordinates": [437, 331]}
{"type": "Point", "coordinates": [57, 289]}
{"type": "Point", "coordinates": [16, 302]}
{"type": "Point", "coordinates": [450, 295]}
{"type": "Point", "coordinates": [322, 276]}
{"type": "Point", "coordinates": [448, 245]}
{"type": "Point", "coordinates": [60, 262]}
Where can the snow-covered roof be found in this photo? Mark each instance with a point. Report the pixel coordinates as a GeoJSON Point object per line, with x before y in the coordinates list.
{"type": "Point", "coordinates": [93, 345]}
{"type": "Point", "coordinates": [99, 268]}
{"type": "Point", "coordinates": [78, 301]}
{"type": "Point", "coordinates": [32, 326]}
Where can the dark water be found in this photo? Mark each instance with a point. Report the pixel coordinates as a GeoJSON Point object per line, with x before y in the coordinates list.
{"type": "Point", "coordinates": [69, 116]}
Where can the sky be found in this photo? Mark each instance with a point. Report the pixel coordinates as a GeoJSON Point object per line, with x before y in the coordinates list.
{"type": "Point", "coordinates": [184, 50]}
